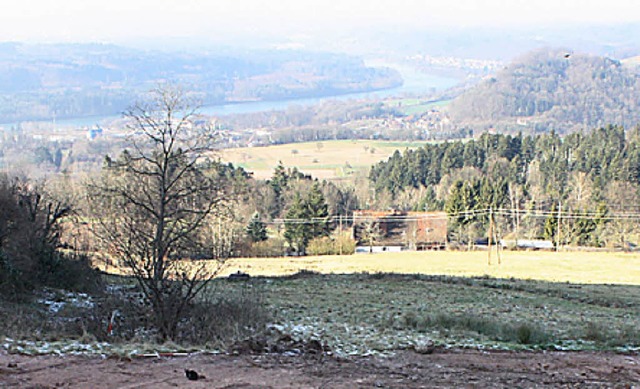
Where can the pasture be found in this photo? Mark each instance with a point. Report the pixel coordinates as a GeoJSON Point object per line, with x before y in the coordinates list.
{"type": "Point", "coordinates": [364, 314]}
{"type": "Point", "coordinates": [573, 267]}
{"type": "Point", "coordinates": [415, 106]}
{"type": "Point", "coordinates": [368, 303]}
{"type": "Point", "coordinates": [324, 159]}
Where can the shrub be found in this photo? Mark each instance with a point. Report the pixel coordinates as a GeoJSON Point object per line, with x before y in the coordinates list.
{"type": "Point", "coordinates": [29, 243]}
{"type": "Point", "coordinates": [224, 320]}
{"type": "Point", "coordinates": [132, 317]}
{"type": "Point", "coordinates": [335, 245]}
{"type": "Point", "coordinates": [217, 321]}
{"type": "Point", "coordinates": [596, 332]}
{"type": "Point", "coordinates": [273, 247]}
{"type": "Point", "coordinates": [321, 246]}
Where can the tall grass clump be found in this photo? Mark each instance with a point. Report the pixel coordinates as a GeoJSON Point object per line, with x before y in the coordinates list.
{"type": "Point", "coordinates": [512, 332]}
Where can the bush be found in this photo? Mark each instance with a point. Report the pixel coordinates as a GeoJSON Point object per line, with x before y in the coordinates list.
{"type": "Point", "coordinates": [132, 316]}
{"type": "Point", "coordinates": [29, 243]}
{"type": "Point", "coordinates": [273, 247]}
{"type": "Point", "coordinates": [321, 246]}
{"type": "Point", "coordinates": [336, 245]}
{"type": "Point", "coordinates": [72, 272]}
{"type": "Point", "coordinates": [230, 315]}
{"type": "Point", "coordinates": [224, 320]}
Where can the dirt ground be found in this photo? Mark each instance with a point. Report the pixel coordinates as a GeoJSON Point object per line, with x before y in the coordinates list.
{"type": "Point", "coordinates": [407, 369]}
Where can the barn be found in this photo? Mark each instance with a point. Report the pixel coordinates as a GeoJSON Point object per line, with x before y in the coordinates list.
{"type": "Point", "coordinates": [387, 230]}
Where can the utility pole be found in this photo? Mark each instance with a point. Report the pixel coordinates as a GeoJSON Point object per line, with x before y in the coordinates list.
{"type": "Point", "coordinates": [495, 235]}
{"type": "Point", "coordinates": [340, 232]}
{"type": "Point", "coordinates": [517, 219]}
{"type": "Point", "coordinates": [559, 226]}
{"type": "Point", "coordinates": [489, 236]}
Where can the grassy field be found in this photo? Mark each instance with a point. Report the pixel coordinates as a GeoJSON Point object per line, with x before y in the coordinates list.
{"type": "Point", "coordinates": [548, 300]}
{"type": "Point", "coordinates": [325, 160]}
{"type": "Point", "coordinates": [363, 314]}
{"type": "Point", "coordinates": [575, 267]}
{"type": "Point", "coordinates": [367, 304]}
{"type": "Point", "coordinates": [415, 106]}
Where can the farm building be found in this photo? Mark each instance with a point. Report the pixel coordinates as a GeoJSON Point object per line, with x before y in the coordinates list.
{"type": "Point", "coordinates": [392, 229]}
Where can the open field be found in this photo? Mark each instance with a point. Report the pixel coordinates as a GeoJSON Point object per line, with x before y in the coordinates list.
{"type": "Point", "coordinates": [395, 330]}
{"type": "Point", "coordinates": [575, 267]}
{"type": "Point", "coordinates": [415, 106]}
{"type": "Point", "coordinates": [463, 302]}
{"type": "Point", "coordinates": [365, 314]}
{"type": "Point", "coordinates": [324, 160]}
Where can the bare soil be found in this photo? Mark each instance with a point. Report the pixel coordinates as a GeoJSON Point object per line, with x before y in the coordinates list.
{"type": "Point", "coordinates": [406, 369]}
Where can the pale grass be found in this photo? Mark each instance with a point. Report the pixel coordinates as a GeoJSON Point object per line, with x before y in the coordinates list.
{"type": "Point", "coordinates": [575, 267]}
{"type": "Point", "coordinates": [331, 159]}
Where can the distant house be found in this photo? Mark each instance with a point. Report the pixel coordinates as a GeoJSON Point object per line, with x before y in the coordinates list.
{"type": "Point", "coordinates": [378, 249]}
{"type": "Point", "coordinates": [388, 230]}
{"type": "Point", "coordinates": [93, 133]}
{"type": "Point", "coordinates": [528, 244]}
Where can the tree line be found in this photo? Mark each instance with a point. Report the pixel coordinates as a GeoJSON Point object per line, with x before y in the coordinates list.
{"type": "Point", "coordinates": [596, 172]}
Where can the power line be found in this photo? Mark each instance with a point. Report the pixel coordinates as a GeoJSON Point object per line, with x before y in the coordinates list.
{"type": "Point", "coordinates": [474, 213]}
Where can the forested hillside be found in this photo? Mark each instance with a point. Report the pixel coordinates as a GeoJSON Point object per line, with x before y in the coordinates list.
{"type": "Point", "coordinates": [553, 89]}
{"type": "Point", "coordinates": [74, 80]}
{"type": "Point", "coordinates": [593, 177]}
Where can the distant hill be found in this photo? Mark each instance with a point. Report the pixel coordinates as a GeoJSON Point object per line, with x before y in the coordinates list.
{"type": "Point", "coordinates": [552, 89]}
{"type": "Point", "coordinates": [72, 80]}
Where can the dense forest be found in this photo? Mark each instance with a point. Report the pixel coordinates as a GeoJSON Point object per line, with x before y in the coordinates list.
{"type": "Point", "coordinates": [552, 89]}
{"type": "Point", "coordinates": [594, 178]}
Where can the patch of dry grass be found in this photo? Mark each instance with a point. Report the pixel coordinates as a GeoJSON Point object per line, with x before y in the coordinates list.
{"type": "Point", "coordinates": [575, 267]}
{"type": "Point", "coordinates": [324, 160]}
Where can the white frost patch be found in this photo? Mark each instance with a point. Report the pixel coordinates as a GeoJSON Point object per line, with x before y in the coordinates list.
{"type": "Point", "coordinates": [56, 301]}
{"type": "Point", "coordinates": [31, 347]}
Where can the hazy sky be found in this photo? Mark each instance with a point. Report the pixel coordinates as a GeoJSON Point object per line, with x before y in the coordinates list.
{"type": "Point", "coordinates": [124, 20]}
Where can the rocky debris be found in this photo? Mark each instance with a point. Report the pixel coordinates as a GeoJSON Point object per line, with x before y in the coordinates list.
{"type": "Point", "coordinates": [283, 344]}
{"type": "Point", "coordinates": [423, 348]}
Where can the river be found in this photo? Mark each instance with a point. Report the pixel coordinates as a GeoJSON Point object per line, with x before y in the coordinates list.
{"type": "Point", "coordinates": [415, 83]}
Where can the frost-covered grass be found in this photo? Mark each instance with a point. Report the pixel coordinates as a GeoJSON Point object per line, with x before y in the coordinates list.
{"type": "Point", "coordinates": [87, 347]}
{"type": "Point", "coordinates": [378, 313]}
{"type": "Point", "coordinates": [364, 314]}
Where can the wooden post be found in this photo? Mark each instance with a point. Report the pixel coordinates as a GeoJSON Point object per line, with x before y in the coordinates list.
{"type": "Point", "coordinates": [559, 226]}
{"type": "Point", "coordinates": [517, 220]}
{"type": "Point", "coordinates": [495, 235]}
{"type": "Point", "coordinates": [340, 232]}
{"type": "Point", "coordinates": [489, 236]}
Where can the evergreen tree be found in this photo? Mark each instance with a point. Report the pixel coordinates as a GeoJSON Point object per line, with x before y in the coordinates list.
{"type": "Point", "coordinates": [57, 158]}
{"type": "Point", "coordinates": [455, 206]}
{"type": "Point", "coordinates": [256, 229]}
{"type": "Point", "coordinates": [551, 224]}
{"type": "Point", "coordinates": [278, 183]}
{"type": "Point", "coordinates": [317, 210]}
{"type": "Point", "coordinates": [297, 228]}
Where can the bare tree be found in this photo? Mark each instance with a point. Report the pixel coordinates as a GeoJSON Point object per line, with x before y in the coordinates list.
{"type": "Point", "coordinates": [371, 233]}
{"type": "Point", "coordinates": [152, 204]}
